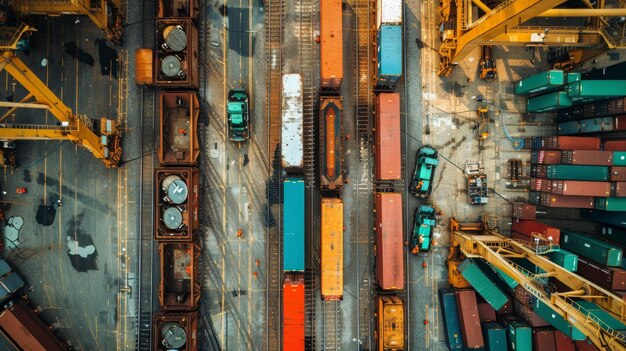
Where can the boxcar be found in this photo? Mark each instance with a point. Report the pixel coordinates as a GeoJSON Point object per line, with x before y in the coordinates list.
{"type": "Point", "coordinates": [390, 323]}
{"type": "Point", "coordinates": [293, 313]}
{"type": "Point", "coordinates": [331, 141]}
{"type": "Point", "coordinates": [331, 44]}
{"type": "Point", "coordinates": [292, 128]}
{"type": "Point", "coordinates": [178, 135]}
{"type": "Point", "coordinates": [332, 249]}
{"type": "Point", "coordinates": [389, 241]}
{"type": "Point", "coordinates": [387, 137]}
{"type": "Point", "coordinates": [293, 225]}
{"type": "Point", "coordinates": [180, 287]}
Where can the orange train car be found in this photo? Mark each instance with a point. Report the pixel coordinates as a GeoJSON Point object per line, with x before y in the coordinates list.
{"type": "Point", "coordinates": [21, 328]}
{"type": "Point", "coordinates": [332, 249]}
{"type": "Point", "coordinates": [176, 54]}
{"type": "Point", "coordinates": [389, 241]}
{"type": "Point", "coordinates": [175, 331]}
{"type": "Point", "coordinates": [179, 288]}
{"type": "Point", "coordinates": [390, 331]}
{"type": "Point", "coordinates": [331, 44]}
{"type": "Point", "coordinates": [387, 137]}
{"type": "Point", "coordinates": [177, 199]}
{"type": "Point", "coordinates": [331, 143]}
{"type": "Point", "coordinates": [293, 312]}
{"type": "Point", "coordinates": [178, 135]}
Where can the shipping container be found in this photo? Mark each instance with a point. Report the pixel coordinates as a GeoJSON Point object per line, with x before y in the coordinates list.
{"type": "Point", "coordinates": [610, 203]}
{"type": "Point", "coordinates": [613, 218]}
{"type": "Point", "coordinates": [616, 106]}
{"type": "Point", "coordinates": [520, 336]}
{"type": "Point", "coordinates": [619, 123]}
{"type": "Point", "coordinates": [614, 145]}
{"type": "Point", "coordinates": [594, 125]}
{"type": "Point", "coordinates": [180, 286]}
{"type": "Point", "coordinates": [619, 158]}
{"type": "Point", "coordinates": [177, 8]}
{"type": "Point", "coordinates": [292, 127]}
{"type": "Point", "coordinates": [293, 225]}
{"type": "Point", "coordinates": [571, 113]}
{"type": "Point", "coordinates": [176, 56]}
{"type": "Point", "coordinates": [486, 313]}
{"type": "Point", "coordinates": [388, 162]}
{"type": "Point", "coordinates": [332, 249]}
{"type": "Point", "coordinates": [506, 309]}
{"type": "Point", "coordinates": [577, 172]}
{"type": "Point", "coordinates": [596, 89]}
{"type": "Point", "coordinates": [523, 296]}
{"type": "Point", "coordinates": [389, 68]}
{"type": "Point", "coordinates": [494, 335]}
{"type": "Point", "coordinates": [388, 12]}
{"type": "Point", "coordinates": [544, 212]}
{"type": "Point", "coordinates": [563, 342]}
{"type": "Point", "coordinates": [143, 66]}
{"type": "Point", "coordinates": [566, 201]}
{"type": "Point", "coordinates": [547, 157]}
{"type": "Point", "coordinates": [618, 174]}
{"type": "Point", "coordinates": [390, 323]}
{"type": "Point", "coordinates": [177, 202]}
{"type": "Point", "coordinates": [10, 284]}
{"type": "Point", "coordinates": [596, 249]}
{"type": "Point", "coordinates": [535, 228]}
{"type": "Point", "coordinates": [564, 258]}
{"type": "Point", "coordinates": [451, 325]}
{"type": "Point", "coordinates": [389, 241]}
{"type": "Point", "coordinates": [331, 44]}
{"type": "Point", "coordinates": [600, 316]}
{"type": "Point", "coordinates": [557, 321]}
{"type": "Point", "coordinates": [293, 312]}
{"type": "Point", "coordinates": [179, 112]}
{"type": "Point", "coordinates": [548, 103]}
{"type": "Point", "coordinates": [331, 143]}
{"type": "Point", "coordinates": [543, 340]}
{"type": "Point", "coordinates": [496, 275]}
{"type": "Point", "coordinates": [577, 225]}
{"type": "Point", "coordinates": [587, 157]}
{"type": "Point", "coordinates": [4, 268]}
{"type": "Point", "coordinates": [524, 211]}
{"type": "Point", "coordinates": [610, 278]}
{"type": "Point", "coordinates": [543, 82]}
{"type": "Point", "coordinates": [614, 234]}
{"type": "Point", "coordinates": [529, 316]}
{"type": "Point", "coordinates": [175, 331]}
{"type": "Point", "coordinates": [569, 143]}
{"type": "Point", "coordinates": [585, 345]}
{"type": "Point", "coordinates": [568, 128]}
{"type": "Point", "coordinates": [575, 187]}
{"type": "Point", "coordinates": [483, 284]}
{"type": "Point", "coordinates": [22, 326]}
{"type": "Point", "coordinates": [469, 318]}
{"type": "Point", "coordinates": [619, 189]}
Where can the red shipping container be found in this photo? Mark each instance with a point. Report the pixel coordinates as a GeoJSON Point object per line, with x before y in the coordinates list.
{"type": "Point", "coordinates": [548, 157]}
{"type": "Point", "coordinates": [293, 314]}
{"type": "Point", "coordinates": [543, 340]}
{"type": "Point", "coordinates": [618, 174]}
{"type": "Point", "coordinates": [389, 241]}
{"type": "Point", "coordinates": [620, 123]}
{"type": "Point", "coordinates": [563, 342]}
{"type": "Point", "coordinates": [587, 157]}
{"type": "Point", "coordinates": [583, 345]}
{"type": "Point", "coordinates": [536, 183]}
{"type": "Point", "coordinates": [486, 312]}
{"type": "Point", "coordinates": [527, 228]}
{"type": "Point", "coordinates": [571, 143]}
{"type": "Point", "coordinates": [619, 189]}
{"type": "Point", "coordinates": [469, 319]}
{"type": "Point", "coordinates": [615, 145]}
{"type": "Point", "coordinates": [529, 316]}
{"type": "Point", "coordinates": [576, 187]}
{"type": "Point", "coordinates": [388, 155]}
{"type": "Point", "coordinates": [525, 211]}
{"type": "Point", "coordinates": [520, 236]}
{"type": "Point", "coordinates": [524, 297]}
{"type": "Point", "coordinates": [566, 201]}
{"type": "Point", "coordinates": [610, 278]}
{"type": "Point", "coordinates": [506, 309]}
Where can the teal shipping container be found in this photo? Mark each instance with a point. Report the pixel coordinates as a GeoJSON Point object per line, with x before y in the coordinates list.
{"type": "Point", "coordinates": [616, 235]}
{"type": "Point", "coordinates": [610, 203]}
{"type": "Point", "coordinates": [484, 286]}
{"type": "Point", "coordinates": [520, 336]}
{"type": "Point", "coordinates": [599, 315]}
{"type": "Point", "coordinates": [577, 172]}
{"type": "Point", "coordinates": [496, 275]}
{"type": "Point", "coordinates": [565, 259]}
{"type": "Point", "coordinates": [548, 103]}
{"type": "Point", "coordinates": [595, 89]}
{"type": "Point", "coordinates": [451, 325]}
{"type": "Point", "coordinates": [543, 82]}
{"type": "Point", "coordinates": [608, 124]}
{"type": "Point", "coordinates": [558, 322]}
{"type": "Point", "coordinates": [389, 55]}
{"type": "Point", "coordinates": [573, 77]}
{"type": "Point", "coordinates": [614, 218]}
{"type": "Point", "coordinates": [495, 336]}
{"type": "Point", "coordinates": [592, 248]}
{"type": "Point", "coordinates": [592, 125]}
{"type": "Point", "coordinates": [527, 265]}
{"type": "Point", "coordinates": [510, 282]}
{"type": "Point", "coordinates": [619, 158]}
{"type": "Point", "coordinates": [568, 128]}
{"type": "Point", "coordinates": [293, 225]}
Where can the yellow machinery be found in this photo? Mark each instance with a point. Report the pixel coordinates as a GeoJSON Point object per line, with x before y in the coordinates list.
{"type": "Point", "coordinates": [487, 64]}
{"type": "Point", "coordinates": [455, 258]}
{"type": "Point", "coordinates": [498, 250]}
{"type": "Point", "coordinates": [482, 122]}
{"type": "Point", "coordinates": [101, 137]}
{"type": "Point", "coordinates": [465, 227]}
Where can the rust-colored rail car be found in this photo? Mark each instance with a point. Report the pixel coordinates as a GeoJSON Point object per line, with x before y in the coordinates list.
{"type": "Point", "coordinates": [390, 332]}
{"type": "Point", "coordinates": [388, 161]}
{"type": "Point", "coordinates": [331, 143]}
{"type": "Point", "coordinates": [22, 329]}
{"type": "Point", "coordinates": [178, 134]}
{"type": "Point", "coordinates": [331, 44]}
{"type": "Point", "coordinates": [175, 331]}
{"type": "Point", "coordinates": [179, 288]}
{"type": "Point", "coordinates": [177, 196]}
{"type": "Point", "coordinates": [178, 8]}
{"type": "Point", "coordinates": [389, 241]}
{"type": "Point", "coordinates": [176, 54]}
{"type": "Point", "coordinates": [293, 312]}
{"type": "Point", "coordinates": [332, 249]}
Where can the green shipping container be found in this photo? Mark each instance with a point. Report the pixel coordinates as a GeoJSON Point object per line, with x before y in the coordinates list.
{"type": "Point", "coordinates": [482, 284]}
{"type": "Point", "coordinates": [599, 315]}
{"type": "Point", "coordinates": [558, 322]}
{"type": "Point", "coordinates": [573, 77]}
{"type": "Point", "coordinates": [592, 248]}
{"type": "Point", "coordinates": [616, 235]}
{"type": "Point", "coordinates": [510, 282]}
{"type": "Point", "coordinates": [610, 203]}
{"type": "Point", "coordinates": [596, 89]}
{"type": "Point", "coordinates": [564, 259]}
{"type": "Point", "coordinates": [520, 336]}
{"type": "Point", "coordinates": [496, 275]}
{"type": "Point", "coordinates": [495, 336]}
{"type": "Point", "coordinates": [577, 172]}
{"type": "Point", "coordinates": [543, 82]}
{"type": "Point", "coordinates": [619, 158]}
{"type": "Point", "coordinates": [549, 102]}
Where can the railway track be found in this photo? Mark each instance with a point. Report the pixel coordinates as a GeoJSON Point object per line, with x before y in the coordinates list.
{"type": "Point", "coordinates": [331, 326]}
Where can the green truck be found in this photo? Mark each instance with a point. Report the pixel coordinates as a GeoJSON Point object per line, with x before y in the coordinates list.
{"type": "Point", "coordinates": [425, 222]}
{"type": "Point", "coordinates": [426, 161]}
{"type": "Point", "coordinates": [238, 115]}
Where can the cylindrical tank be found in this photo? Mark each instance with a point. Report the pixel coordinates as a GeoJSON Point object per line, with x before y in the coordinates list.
{"type": "Point", "coordinates": [174, 336]}
{"type": "Point", "coordinates": [175, 189]}
{"type": "Point", "coordinates": [173, 217]}
{"type": "Point", "coordinates": [330, 142]}
{"type": "Point", "coordinates": [175, 38]}
{"type": "Point", "coordinates": [173, 66]}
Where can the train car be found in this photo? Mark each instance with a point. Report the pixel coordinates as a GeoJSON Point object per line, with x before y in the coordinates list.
{"type": "Point", "coordinates": [22, 329]}
{"type": "Point", "coordinates": [180, 287]}
{"type": "Point", "coordinates": [292, 127]}
{"type": "Point", "coordinates": [331, 143]}
{"type": "Point", "coordinates": [332, 249]}
{"type": "Point", "coordinates": [178, 134]}
{"type": "Point", "coordinates": [293, 225]}
{"type": "Point", "coordinates": [389, 241]}
{"type": "Point", "coordinates": [175, 331]}
{"type": "Point", "coordinates": [387, 137]}
{"type": "Point", "coordinates": [178, 8]}
{"type": "Point", "coordinates": [177, 197]}
{"type": "Point", "coordinates": [390, 331]}
{"type": "Point", "coordinates": [388, 12]}
{"type": "Point", "coordinates": [293, 313]}
{"type": "Point", "coordinates": [331, 44]}
{"type": "Point", "coordinates": [176, 53]}
{"type": "Point", "coordinates": [389, 68]}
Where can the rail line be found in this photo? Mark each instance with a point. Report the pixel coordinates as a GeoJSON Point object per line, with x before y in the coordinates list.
{"type": "Point", "coordinates": [306, 10]}
{"type": "Point", "coordinates": [331, 326]}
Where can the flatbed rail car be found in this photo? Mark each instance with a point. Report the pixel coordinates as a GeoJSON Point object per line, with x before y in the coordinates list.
{"type": "Point", "coordinates": [180, 287]}
{"type": "Point", "coordinates": [390, 330]}
{"type": "Point", "coordinates": [292, 149]}
{"type": "Point", "coordinates": [178, 134]}
{"type": "Point", "coordinates": [293, 225]}
{"type": "Point", "coordinates": [175, 331]}
{"type": "Point", "coordinates": [293, 312]}
{"type": "Point", "coordinates": [331, 143]}
{"type": "Point", "coordinates": [332, 249]}
{"type": "Point", "coordinates": [21, 329]}
{"type": "Point", "coordinates": [176, 55]}
{"type": "Point", "coordinates": [177, 196]}
{"type": "Point", "coordinates": [387, 137]}
{"type": "Point", "coordinates": [331, 44]}
{"type": "Point", "coordinates": [389, 241]}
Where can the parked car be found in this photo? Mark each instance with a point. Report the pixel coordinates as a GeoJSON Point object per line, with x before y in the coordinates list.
{"type": "Point", "coordinates": [238, 115]}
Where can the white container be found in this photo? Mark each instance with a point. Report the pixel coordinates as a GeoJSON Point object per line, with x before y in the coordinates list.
{"type": "Point", "coordinates": [292, 130]}
{"type": "Point", "coordinates": [388, 12]}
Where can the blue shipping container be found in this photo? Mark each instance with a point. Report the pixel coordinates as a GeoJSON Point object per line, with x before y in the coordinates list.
{"type": "Point", "coordinates": [293, 225]}
{"type": "Point", "coordinates": [592, 125]}
{"type": "Point", "coordinates": [567, 128]}
{"type": "Point", "coordinates": [495, 337]}
{"type": "Point", "coordinates": [451, 324]}
{"type": "Point", "coordinates": [614, 218]}
{"type": "Point", "coordinates": [389, 55]}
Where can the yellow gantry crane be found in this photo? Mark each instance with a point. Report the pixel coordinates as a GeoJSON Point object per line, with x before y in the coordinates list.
{"type": "Point", "coordinates": [498, 250]}
{"type": "Point", "coordinates": [466, 24]}
{"type": "Point", "coordinates": [101, 137]}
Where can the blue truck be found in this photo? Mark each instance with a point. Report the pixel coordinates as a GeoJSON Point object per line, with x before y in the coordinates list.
{"type": "Point", "coordinates": [426, 161]}
{"type": "Point", "coordinates": [238, 115]}
{"type": "Point", "coordinates": [425, 222]}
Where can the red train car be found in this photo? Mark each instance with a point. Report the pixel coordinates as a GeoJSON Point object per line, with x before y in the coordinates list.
{"type": "Point", "coordinates": [177, 197]}
{"type": "Point", "coordinates": [179, 288]}
{"type": "Point", "coordinates": [387, 137]}
{"type": "Point", "coordinates": [175, 331]}
{"type": "Point", "coordinates": [331, 148]}
{"type": "Point", "coordinates": [389, 241]}
{"type": "Point", "coordinates": [178, 135]}
{"type": "Point", "coordinates": [293, 313]}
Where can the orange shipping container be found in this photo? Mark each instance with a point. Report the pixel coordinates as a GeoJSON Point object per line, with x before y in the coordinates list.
{"type": "Point", "coordinates": [293, 313]}
{"type": "Point", "coordinates": [332, 249]}
{"type": "Point", "coordinates": [388, 154]}
{"type": "Point", "coordinates": [331, 40]}
{"type": "Point", "coordinates": [23, 327]}
{"type": "Point", "coordinates": [390, 323]}
{"type": "Point", "coordinates": [143, 66]}
{"type": "Point", "coordinates": [389, 241]}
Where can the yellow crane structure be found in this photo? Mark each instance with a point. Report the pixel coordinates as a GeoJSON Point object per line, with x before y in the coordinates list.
{"type": "Point", "coordinates": [498, 250]}
{"type": "Point", "coordinates": [466, 24]}
{"type": "Point", "coordinates": [101, 137]}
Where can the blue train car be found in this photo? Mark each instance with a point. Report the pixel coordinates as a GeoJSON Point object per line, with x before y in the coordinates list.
{"type": "Point", "coordinates": [389, 55]}
{"type": "Point", "coordinates": [293, 225]}
{"type": "Point", "coordinates": [451, 324]}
